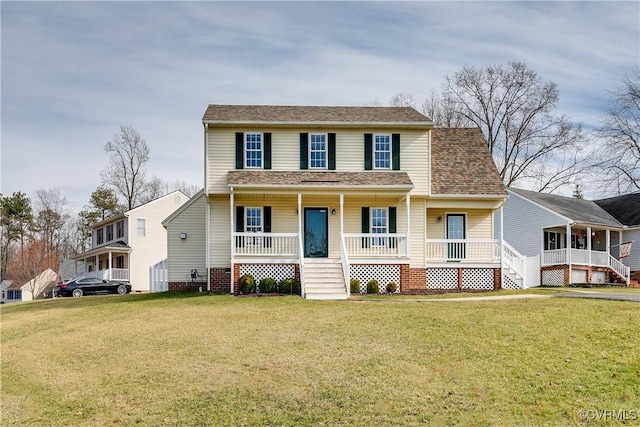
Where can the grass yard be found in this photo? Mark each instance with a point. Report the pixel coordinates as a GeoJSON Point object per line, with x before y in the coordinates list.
{"type": "Point", "coordinates": [180, 359]}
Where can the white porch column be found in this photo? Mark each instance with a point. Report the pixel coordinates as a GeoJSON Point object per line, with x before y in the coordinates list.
{"type": "Point", "coordinates": [589, 244]}
{"type": "Point", "coordinates": [300, 218]}
{"type": "Point", "coordinates": [568, 243]}
{"type": "Point", "coordinates": [301, 245]}
{"type": "Point", "coordinates": [408, 202]}
{"type": "Point", "coordinates": [97, 264]}
{"type": "Point", "coordinates": [341, 215]}
{"type": "Point", "coordinates": [502, 238]}
{"type": "Point", "coordinates": [110, 267]}
{"type": "Point", "coordinates": [232, 242]}
{"type": "Point", "coordinates": [608, 241]}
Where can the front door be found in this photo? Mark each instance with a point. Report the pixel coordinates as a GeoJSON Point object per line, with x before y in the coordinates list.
{"type": "Point", "coordinates": [316, 236]}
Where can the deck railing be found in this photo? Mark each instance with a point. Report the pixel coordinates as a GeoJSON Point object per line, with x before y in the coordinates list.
{"type": "Point", "coordinates": [578, 256]}
{"type": "Point", "coordinates": [374, 245]}
{"type": "Point", "coordinates": [116, 274]}
{"type": "Point", "coordinates": [463, 250]}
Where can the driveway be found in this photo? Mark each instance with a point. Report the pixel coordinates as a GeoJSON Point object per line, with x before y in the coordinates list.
{"type": "Point", "coordinates": [617, 296]}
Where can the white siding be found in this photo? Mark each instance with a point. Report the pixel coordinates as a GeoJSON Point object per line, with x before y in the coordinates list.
{"type": "Point", "coordinates": [285, 153]}
{"type": "Point", "coordinates": [186, 254]}
{"type": "Point", "coordinates": [151, 248]}
{"type": "Point", "coordinates": [523, 224]}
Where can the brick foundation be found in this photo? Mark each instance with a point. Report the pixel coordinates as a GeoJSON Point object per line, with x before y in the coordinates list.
{"type": "Point", "coordinates": [220, 282]}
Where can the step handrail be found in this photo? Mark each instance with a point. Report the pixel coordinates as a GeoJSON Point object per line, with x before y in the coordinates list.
{"type": "Point", "coordinates": [514, 259]}
{"type": "Point", "coordinates": [344, 256]}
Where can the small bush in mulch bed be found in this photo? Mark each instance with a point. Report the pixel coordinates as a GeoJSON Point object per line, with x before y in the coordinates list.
{"type": "Point", "coordinates": [354, 286]}
{"type": "Point", "coordinates": [288, 286]}
{"type": "Point", "coordinates": [247, 284]}
{"type": "Point", "coordinates": [373, 287]}
{"type": "Point", "coordinates": [392, 287]}
{"type": "Point", "coordinates": [267, 285]}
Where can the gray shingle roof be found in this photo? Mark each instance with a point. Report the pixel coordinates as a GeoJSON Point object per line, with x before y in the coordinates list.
{"type": "Point", "coordinates": [461, 163]}
{"type": "Point", "coordinates": [325, 179]}
{"type": "Point", "coordinates": [579, 210]}
{"type": "Point", "coordinates": [312, 114]}
{"type": "Point", "coordinates": [626, 209]}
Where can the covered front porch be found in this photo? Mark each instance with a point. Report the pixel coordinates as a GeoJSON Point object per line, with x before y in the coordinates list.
{"type": "Point", "coordinates": [583, 254]}
{"type": "Point", "coordinates": [110, 262]}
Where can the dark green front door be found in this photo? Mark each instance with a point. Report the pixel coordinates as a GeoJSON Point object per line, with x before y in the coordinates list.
{"type": "Point", "coordinates": [316, 236]}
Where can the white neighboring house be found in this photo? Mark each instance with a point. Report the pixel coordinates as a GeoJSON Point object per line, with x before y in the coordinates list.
{"type": "Point", "coordinates": [10, 292]}
{"type": "Point", "coordinates": [39, 284]}
{"type": "Point", "coordinates": [123, 247]}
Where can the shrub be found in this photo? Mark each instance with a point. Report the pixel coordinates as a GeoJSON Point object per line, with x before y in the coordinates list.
{"type": "Point", "coordinates": [247, 284]}
{"type": "Point", "coordinates": [354, 286]}
{"type": "Point", "coordinates": [392, 287]}
{"type": "Point", "coordinates": [288, 286]}
{"type": "Point", "coordinates": [373, 287]}
{"type": "Point", "coordinates": [267, 285]}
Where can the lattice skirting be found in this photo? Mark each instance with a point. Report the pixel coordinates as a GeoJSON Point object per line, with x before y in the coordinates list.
{"type": "Point", "coordinates": [509, 283]}
{"type": "Point", "coordinates": [472, 278]}
{"type": "Point", "coordinates": [553, 278]}
{"type": "Point", "coordinates": [382, 273]}
{"type": "Point", "coordinates": [578, 276]}
{"type": "Point", "coordinates": [275, 271]}
{"type": "Point", "coordinates": [598, 277]}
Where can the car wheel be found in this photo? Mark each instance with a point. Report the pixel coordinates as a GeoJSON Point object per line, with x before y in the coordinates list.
{"type": "Point", "coordinates": [122, 289]}
{"type": "Point", "coordinates": [77, 293]}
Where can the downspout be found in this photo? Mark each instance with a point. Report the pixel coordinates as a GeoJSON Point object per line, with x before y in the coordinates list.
{"type": "Point", "coordinates": [208, 209]}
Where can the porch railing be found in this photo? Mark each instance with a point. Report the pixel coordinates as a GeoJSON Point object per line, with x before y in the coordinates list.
{"type": "Point", "coordinates": [116, 274]}
{"type": "Point", "coordinates": [578, 256]}
{"type": "Point", "coordinates": [620, 269]}
{"type": "Point", "coordinates": [266, 244]}
{"type": "Point", "coordinates": [463, 250]}
{"type": "Point", "coordinates": [374, 245]}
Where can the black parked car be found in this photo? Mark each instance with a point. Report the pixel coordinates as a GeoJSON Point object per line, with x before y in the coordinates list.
{"type": "Point", "coordinates": [90, 285]}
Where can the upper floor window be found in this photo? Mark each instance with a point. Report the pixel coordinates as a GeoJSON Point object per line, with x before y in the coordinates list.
{"type": "Point", "coordinates": [382, 152]}
{"type": "Point", "coordinates": [253, 150]}
{"type": "Point", "coordinates": [141, 227]}
{"type": "Point", "coordinates": [318, 151]}
{"type": "Point", "coordinates": [120, 229]}
{"type": "Point", "coordinates": [109, 232]}
{"type": "Point", "coordinates": [100, 236]}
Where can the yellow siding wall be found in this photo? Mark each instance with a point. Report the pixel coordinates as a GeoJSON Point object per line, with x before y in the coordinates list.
{"type": "Point", "coordinates": [414, 153]}
{"type": "Point", "coordinates": [478, 223]}
{"type": "Point", "coordinates": [220, 232]}
{"type": "Point", "coordinates": [185, 254]}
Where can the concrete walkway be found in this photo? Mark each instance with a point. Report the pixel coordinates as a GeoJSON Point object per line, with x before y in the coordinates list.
{"type": "Point", "coordinates": [615, 296]}
{"type": "Point", "coordinates": [461, 299]}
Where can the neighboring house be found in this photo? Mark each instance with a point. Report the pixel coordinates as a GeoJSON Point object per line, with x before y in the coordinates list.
{"type": "Point", "coordinates": [574, 238]}
{"type": "Point", "coordinates": [11, 292]}
{"type": "Point", "coordinates": [626, 209]}
{"type": "Point", "coordinates": [37, 287]}
{"type": "Point", "coordinates": [124, 246]}
{"type": "Point", "coordinates": [325, 194]}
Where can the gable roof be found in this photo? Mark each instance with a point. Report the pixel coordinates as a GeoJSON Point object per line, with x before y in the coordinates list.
{"type": "Point", "coordinates": [128, 213]}
{"type": "Point", "coordinates": [182, 208]}
{"type": "Point", "coordinates": [282, 114]}
{"type": "Point", "coordinates": [399, 180]}
{"type": "Point", "coordinates": [626, 209]}
{"type": "Point", "coordinates": [578, 210]}
{"type": "Point", "coordinates": [461, 163]}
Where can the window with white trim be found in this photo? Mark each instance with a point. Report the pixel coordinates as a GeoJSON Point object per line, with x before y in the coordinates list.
{"type": "Point", "coordinates": [253, 224]}
{"type": "Point", "coordinates": [382, 152]}
{"type": "Point", "coordinates": [253, 150]}
{"type": "Point", "coordinates": [318, 151]}
{"type": "Point", "coordinates": [120, 229]}
{"type": "Point", "coordinates": [141, 227]}
{"type": "Point", "coordinates": [109, 232]}
{"type": "Point", "coordinates": [100, 236]}
{"type": "Point", "coordinates": [379, 224]}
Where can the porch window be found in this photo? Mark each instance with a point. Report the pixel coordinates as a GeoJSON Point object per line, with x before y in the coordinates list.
{"type": "Point", "coordinates": [141, 226]}
{"type": "Point", "coordinates": [100, 236]}
{"type": "Point", "coordinates": [318, 151]}
{"type": "Point", "coordinates": [553, 240]}
{"type": "Point", "coordinates": [120, 229]}
{"type": "Point", "coordinates": [109, 232]}
{"type": "Point", "coordinates": [382, 152]}
{"type": "Point", "coordinates": [120, 261]}
{"type": "Point", "coordinates": [253, 224]}
{"type": "Point", "coordinates": [378, 225]}
{"type": "Point", "coordinates": [253, 150]}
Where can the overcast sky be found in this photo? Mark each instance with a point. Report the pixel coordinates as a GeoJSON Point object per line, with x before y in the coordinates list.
{"type": "Point", "coordinates": [73, 72]}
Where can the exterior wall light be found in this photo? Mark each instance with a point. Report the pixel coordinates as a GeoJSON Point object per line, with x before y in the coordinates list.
{"type": "Point", "coordinates": [439, 218]}
{"type": "Point", "coordinates": [183, 236]}
{"type": "Point", "coordinates": [333, 211]}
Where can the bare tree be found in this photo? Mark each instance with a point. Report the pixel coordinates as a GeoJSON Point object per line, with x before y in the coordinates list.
{"type": "Point", "coordinates": [514, 107]}
{"type": "Point", "coordinates": [621, 136]}
{"type": "Point", "coordinates": [402, 99]}
{"type": "Point", "coordinates": [441, 111]}
{"type": "Point", "coordinates": [156, 187]}
{"type": "Point", "coordinates": [51, 216]}
{"type": "Point", "coordinates": [128, 155]}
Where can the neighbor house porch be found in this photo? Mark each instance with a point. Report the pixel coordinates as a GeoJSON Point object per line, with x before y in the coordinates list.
{"type": "Point", "coordinates": [110, 262]}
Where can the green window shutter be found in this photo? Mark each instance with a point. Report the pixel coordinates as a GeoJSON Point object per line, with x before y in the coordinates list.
{"type": "Point", "coordinates": [239, 219]}
{"type": "Point", "coordinates": [392, 225]}
{"type": "Point", "coordinates": [395, 151]}
{"type": "Point", "coordinates": [368, 151]}
{"type": "Point", "coordinates": [365, 226]}
{"type": "Point", "coordinates": [304, 151]}
{"type": "Point", "coordinates": [239, 150]}
{"type": "Point", "coordinates": [331, 148]}
{"type": "Point", "coordinates": [266, 210]}
{"type": "Point", "coordinates": [267, 150]}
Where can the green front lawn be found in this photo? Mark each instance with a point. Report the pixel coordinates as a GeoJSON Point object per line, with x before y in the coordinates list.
{"type": "Point", "coordinates": [193, 359]}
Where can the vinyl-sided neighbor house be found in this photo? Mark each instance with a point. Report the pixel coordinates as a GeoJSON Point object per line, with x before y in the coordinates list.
{"type": "Point", "coordinates": [325, 194]}
{"type": "Point", "coordinates": [576, 240]}
{"type": "Point", "coordinates": [125, 246]}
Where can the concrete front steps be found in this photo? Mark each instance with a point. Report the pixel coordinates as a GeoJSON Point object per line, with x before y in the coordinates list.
{"type": "Point", "coordinates": [323, 279]}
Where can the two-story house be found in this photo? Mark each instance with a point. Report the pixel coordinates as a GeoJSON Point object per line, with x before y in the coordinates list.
{"type": "Point", "coordinates": [124, 246]}
{"type": "Point", "coordinates": [325, 194]}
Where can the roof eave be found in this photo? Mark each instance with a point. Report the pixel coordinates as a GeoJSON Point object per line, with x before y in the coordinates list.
{"type": "Point", "coordinates": [425, 124]}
